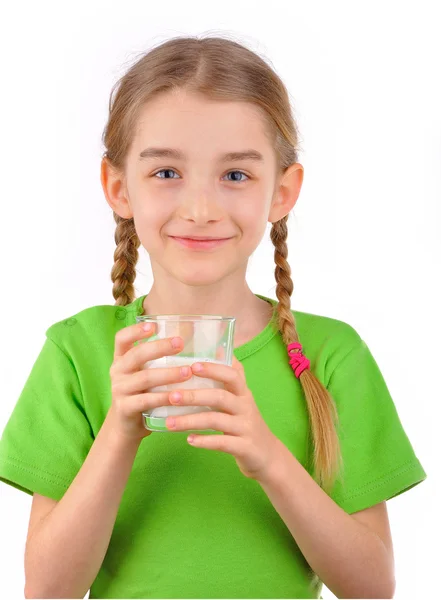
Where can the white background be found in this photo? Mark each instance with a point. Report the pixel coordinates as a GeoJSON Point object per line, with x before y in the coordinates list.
{"type": "Point", "coordinates": [364, 242]}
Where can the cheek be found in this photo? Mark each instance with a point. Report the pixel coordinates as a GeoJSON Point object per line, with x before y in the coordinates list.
{"type": "Point", "coordinates": [253, 236]}
{"type": "Point", "coordinates": [149, 223]}
{"type": "Point", "coordinates": [251, 216]}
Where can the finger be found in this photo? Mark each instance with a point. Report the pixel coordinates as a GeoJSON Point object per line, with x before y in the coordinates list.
{"type": "Point", "coordinates": [220, 353]}
{"type": "Point", "coordinates": [220, 356]}
{"type": "Point", "coordinates": [230, 444]}
{"type": "Point", "coordinates": [216, 398]}
{"type": "Point", "coordinates": [136, 358]}
{"type": "Point", "coordinates": [228, 424]}
{"type": "Point", "coordinates": [145, 379]}
{"type": "Point", "coordinates": [125, 338]}
{"type": "Point", "coordinates": [238, 365]}
{"type": "Point", "coordinates": [231, 377]}
{"type": "Point", "coordinates": [139, 403]}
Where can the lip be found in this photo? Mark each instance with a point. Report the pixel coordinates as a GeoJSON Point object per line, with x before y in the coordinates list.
{"type": "Point", "coordinates": [200, 244]}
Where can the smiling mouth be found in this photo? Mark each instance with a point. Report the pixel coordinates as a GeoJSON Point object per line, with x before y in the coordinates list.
{"type": "Point", "coordinates": [201, 244]}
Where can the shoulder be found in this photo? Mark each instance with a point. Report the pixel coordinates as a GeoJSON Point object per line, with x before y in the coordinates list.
{"type": "Point", "coordinates": [326, 328]}
{"type": "Point", "coordinates": [90, 327]}
{"type": "Point", "coordinates": [319, 331]}
{"type": "Point", "coordinates": [326, 340]}
{"type": "Point", "coordinates": [87, 318]}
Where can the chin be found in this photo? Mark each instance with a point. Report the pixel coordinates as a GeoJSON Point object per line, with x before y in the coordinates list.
{"type": "Point", "coordinates": [193, 274]}
{"type": "Point", "coordinates": [198, 278]}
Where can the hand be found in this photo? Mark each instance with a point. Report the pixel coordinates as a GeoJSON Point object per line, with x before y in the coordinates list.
{"type": "Point", "coordinates": [130, 379]}
{"type": "Point", "coordinates": [246, 435]}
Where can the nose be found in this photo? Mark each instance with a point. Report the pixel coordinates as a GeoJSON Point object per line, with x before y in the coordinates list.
{"type": "Point", "coordinates": [201, 208]}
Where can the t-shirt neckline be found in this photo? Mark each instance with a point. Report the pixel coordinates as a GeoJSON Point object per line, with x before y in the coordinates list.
{"type": "Point", "coordinates": [240, 352]}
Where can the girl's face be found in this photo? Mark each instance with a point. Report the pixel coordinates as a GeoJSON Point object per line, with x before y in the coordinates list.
{"type": "Point", "coordinates": [197, 191]}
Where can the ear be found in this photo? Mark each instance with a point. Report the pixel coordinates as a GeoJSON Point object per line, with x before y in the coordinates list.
{"type": "Point", "coordinates": [113, 185]}
{"type": "Point", "coordinates": [286, 193]}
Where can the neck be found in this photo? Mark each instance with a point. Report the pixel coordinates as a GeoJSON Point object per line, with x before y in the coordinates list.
{"type": "Point", "coordinates": [224, 301]}
{"type": "Point", "coordinates": [232, 298]}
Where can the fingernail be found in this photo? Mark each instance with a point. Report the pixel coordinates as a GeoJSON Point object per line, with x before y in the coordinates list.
{"type": "Point", "coordinates": [185, 371]}
{"type": "Point", "coordinates": [147, 326]}
{"type": "Point", "coordinates": [197, 367]}
{"type": "Point", "coordinates": [176, 342]}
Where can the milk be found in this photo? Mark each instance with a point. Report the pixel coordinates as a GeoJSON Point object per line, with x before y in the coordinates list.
{"type": "Point", "coordinates": [195, 382]}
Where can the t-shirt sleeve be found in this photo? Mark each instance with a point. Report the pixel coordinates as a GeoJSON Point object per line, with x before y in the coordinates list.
{"type": "Point", "coordinates": [48, 435]}
{"type": "Point", "coordinates": [379, 461]}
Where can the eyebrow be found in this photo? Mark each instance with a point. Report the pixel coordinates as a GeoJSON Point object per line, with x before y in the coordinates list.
{"type": "Point", "coordinates": [155, 152]}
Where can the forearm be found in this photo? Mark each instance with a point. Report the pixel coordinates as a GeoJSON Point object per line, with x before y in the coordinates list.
{"type": "Point", "coordinates": [65, 553]}
{"type": "Point", "coordinates": [349, 558]}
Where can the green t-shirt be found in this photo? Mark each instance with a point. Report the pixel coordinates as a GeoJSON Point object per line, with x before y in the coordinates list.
{"type": "Point", "coordinates": [190, 524]}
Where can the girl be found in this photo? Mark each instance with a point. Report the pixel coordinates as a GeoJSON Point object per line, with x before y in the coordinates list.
{"type": "Point", "coordinates": [201, 142]}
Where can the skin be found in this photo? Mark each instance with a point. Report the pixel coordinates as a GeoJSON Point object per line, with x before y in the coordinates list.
{"type": "Point", "coordinates": [201, 196]}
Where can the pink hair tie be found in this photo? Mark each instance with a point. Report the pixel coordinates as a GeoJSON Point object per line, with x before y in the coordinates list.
{"type": "Point", "coordinates": [297, 360]}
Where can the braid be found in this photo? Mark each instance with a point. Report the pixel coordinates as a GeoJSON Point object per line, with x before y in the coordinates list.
{"type": "Point", "coordinates": [322, 411]}
{"type": "Point", "coordinates": [125, 257]}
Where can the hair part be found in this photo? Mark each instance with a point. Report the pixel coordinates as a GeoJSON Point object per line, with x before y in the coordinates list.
{"type": "Point", "coordinates": [221, 69]}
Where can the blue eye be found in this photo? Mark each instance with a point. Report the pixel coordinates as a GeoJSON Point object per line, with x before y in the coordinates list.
{"type": "Point", "coordinates": [164, 171]}
{"type": "Point", "coordinates": [173, 171]}
{"type": "Point", "coordinates": [241, 172]}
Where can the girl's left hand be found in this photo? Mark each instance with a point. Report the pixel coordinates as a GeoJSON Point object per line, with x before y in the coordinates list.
{"type": "Point", "coordinates": [246, 435]}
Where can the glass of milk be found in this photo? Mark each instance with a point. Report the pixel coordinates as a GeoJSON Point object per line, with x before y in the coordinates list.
{"type": "Point", "coordinates": [207, 338]}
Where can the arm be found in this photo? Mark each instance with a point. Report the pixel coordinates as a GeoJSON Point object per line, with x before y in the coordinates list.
{"type": "Point", "coordinates": [349, 557]}
{"type": "Point", "coordinates": [66, 550]}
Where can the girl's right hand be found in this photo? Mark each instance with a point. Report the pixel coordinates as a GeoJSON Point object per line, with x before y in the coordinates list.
{"type": "Point", "coordinates": [130, 380]}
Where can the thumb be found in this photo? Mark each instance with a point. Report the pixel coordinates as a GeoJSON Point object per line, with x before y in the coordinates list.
{"type": "Point", "coordinates": [237, 364]}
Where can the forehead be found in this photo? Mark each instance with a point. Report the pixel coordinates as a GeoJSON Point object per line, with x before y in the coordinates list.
{"type": "Point", "coordinates": [183, 118]}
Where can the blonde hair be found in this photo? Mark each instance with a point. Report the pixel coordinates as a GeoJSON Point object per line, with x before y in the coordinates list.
{"type": "Point", "coordinates": [221, 69]}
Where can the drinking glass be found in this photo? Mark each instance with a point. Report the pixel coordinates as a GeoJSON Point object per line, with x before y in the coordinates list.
{"type": "Point", "coordinates": [207, 338]}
